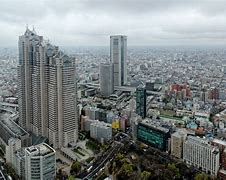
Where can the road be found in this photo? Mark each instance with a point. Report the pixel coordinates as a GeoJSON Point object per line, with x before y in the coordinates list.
{"type": "Point", "coordinates": [97, 165]}
{"type": "Point", "coordinates": [115, 147]}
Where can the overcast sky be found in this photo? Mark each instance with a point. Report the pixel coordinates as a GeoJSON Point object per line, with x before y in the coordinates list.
{"type": "Point", "coordinates": [91, 22]}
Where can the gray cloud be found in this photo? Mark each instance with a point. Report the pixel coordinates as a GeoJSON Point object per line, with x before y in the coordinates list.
{"type": "Point", "coordinates": [91, 22]}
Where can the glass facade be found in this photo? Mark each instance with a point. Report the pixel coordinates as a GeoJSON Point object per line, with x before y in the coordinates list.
{"type": "Point", "coordinates": [141, 102]}
{"type": "Point", "coordinates": [153, 136]}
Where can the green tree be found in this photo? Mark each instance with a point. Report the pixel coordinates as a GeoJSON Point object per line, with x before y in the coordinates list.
{"type": "Point", "coordinates": [174, 170]}
{"type": "Point", "coordinates": [76, 167]}
{"type": "Point", "coordinates": [119, 158]}
{"type": "Point", "coordinates": [201, 176]}
{"type": "Point", "coordinates": [71, 178]}
{"type": "Point", "coordinates": [61, 174]}
{"type": "Point", "coordinates": [126, 171]}
{"type": "Point", "coordinates": [167, 174]}
{"type": "Point", "coordinates": [11, 171]}
{"type": "Point", "coordinates": [145, 175]}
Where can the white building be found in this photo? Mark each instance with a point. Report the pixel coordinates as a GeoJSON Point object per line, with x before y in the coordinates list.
{"type": "Point", "coordinates": [118, 53]}
{"type": "Point", "coordinates": [101, 131]}
{"type": "Point", "coordinates": [92, 112]}
{"type": "Point", "coordinates": [87, 123]}
{"type": "Point", "coordinates": [199, 153]}
{"type": "Point", "coordinates": [40, 162]}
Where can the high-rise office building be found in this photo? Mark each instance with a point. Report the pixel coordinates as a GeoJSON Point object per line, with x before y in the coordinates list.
{"type": "Point", "coordinates": [106, 79]}
{"type": "Point", "coordinates": [40, 162]}
{"type": "Point", "coordinates": [47, 90]}
{"type": "Point", "coordinates": [30, 45]}
{"type": "Point", "coordinates": [118, 53]}
{"type": "Point", "coordinates": [63, 123]}
{"type": "Point", "coordinates": [141, 98]}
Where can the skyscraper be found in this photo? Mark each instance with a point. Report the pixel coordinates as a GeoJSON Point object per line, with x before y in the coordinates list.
{"type": "Point", "coordinates": [29, 55]}
{"type": "Point", "coordinates": [141, 97]}
{"type": "Point", "coordinates": [63, 122]}
{"type": "Point", "coordinates": [47, 90]}
{"type": "Point", "coordinates": [106, 79]}
{"type": "Point", "coordinates": [118, 53]}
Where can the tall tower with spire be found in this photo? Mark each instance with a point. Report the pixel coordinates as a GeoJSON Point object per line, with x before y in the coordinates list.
{"type": "Point", "coordinates": [46, 81]}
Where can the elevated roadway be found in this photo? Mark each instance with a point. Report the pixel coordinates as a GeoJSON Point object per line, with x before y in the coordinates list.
{"type": "Point", "coordinates": [121, 88]}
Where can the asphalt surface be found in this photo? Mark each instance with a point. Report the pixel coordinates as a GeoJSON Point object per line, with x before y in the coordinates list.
{"type": "Point", "coordinates": [119, 141]}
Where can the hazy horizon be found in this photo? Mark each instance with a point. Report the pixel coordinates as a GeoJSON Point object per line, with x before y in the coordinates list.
{"type": "Point", "coordinates": [90, 23]}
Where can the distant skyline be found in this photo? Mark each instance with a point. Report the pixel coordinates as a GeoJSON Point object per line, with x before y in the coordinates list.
{"type": "Point", "coordinates": [91, 22]}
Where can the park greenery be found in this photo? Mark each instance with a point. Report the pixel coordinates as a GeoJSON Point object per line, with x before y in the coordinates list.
{"type": "Point", "coordinates": [93, 145]}
{"type": "Point", "coordinates": [76, 150]}
{"type": "Point", "coordinates": [75, 167]}
{"type": "Point", "coordinates": [61, 174]}
{"type": "Point", "coordinates": [146, 168]}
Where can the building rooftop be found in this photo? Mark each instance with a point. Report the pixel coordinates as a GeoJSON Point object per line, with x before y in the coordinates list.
{"type": "Point", "coordinates": [203, 142]}
{"type": "Point", "coordinates": [157, 124]}
{"type": "Point", "coordinates": [101, 124]}
{"type": "Point", "coordinates": [39, 150]}
{"type": "Point", "coordinates": [13, 127]}
{"type": "Point", "coordinates": [20, 153]}
{"type": "Point", "coordinates": [177, 134]}
{"type": "Point", "coordinates": [218, 141]}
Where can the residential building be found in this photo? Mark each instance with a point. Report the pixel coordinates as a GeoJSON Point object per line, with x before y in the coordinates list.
{"type": "Point", "coordinates": [201, 154]}
{"type": "Point", "coordinates": [101, 131]}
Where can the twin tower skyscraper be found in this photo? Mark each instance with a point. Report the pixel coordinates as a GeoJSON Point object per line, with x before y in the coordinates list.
{"type": "Point", "coordinates": [47, 90]}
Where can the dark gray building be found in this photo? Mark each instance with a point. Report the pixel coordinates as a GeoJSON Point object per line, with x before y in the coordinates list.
{"type": "Point", "coordinates": [106, 79]}
{"type": "Point", "coordinates": [141, 98]}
